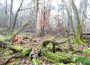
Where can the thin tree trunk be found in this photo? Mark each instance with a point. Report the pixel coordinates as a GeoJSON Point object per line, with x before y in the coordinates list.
{"type": "Point", "coordinates": [78, 32]}
{"type": "Point", "coordinates": [15, 19]}
{"type": "Point", "coordinates": [11, 13]}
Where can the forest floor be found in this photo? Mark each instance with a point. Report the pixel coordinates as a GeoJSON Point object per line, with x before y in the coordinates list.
{"type": "Point", "coordinates": [35, 43]}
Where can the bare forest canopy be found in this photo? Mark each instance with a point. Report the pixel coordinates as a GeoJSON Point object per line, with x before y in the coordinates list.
{"type": "Point", "coordinates": [45, 16]}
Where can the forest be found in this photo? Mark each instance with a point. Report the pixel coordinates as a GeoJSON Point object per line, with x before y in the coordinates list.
{"type": "Point", "coordinates": [44, 32]}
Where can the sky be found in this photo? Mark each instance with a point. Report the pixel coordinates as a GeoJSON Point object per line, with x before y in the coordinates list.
{"type": "Point", "coordinates": [17, 3]}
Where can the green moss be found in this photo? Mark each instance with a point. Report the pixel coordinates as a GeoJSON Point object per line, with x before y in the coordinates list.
{"type": "Point", "coordinates": [26, 51]}
{"type": "Point", "coordinates": [35, 61]}
{"type": "Point", "coordinates": [86, 51]}
{"type": "Point", "coordinates": [82, 60]}
{"type": "Point", "coordinates": [16, 48]}
{"type": "Point", "coordinates": [56, 58]}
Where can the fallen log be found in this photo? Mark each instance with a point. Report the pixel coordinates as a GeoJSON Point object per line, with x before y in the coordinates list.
{"type": "Point", "coordinates": [24, 52]}
{"type": "Point", "coordinates": [21, 50]}
{"type": "Point", "coordinates": [56, 58]}
{"type": "Point", "coordinates": [54, 43]}
{"type": "Point", "coordinates": [16, 48]}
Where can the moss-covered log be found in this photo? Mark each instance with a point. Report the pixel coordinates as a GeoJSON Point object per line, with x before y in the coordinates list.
{"type": "Point", "coordinates": [16, 48]}
{"type": "Point", "coordinates": [54, 43]}
{"type": "Point", "coordinates": [45, 43]}
{"type": "Point", "coordinates": [56, 58]}
{"type": "Point", "coordinates": [22, 51]}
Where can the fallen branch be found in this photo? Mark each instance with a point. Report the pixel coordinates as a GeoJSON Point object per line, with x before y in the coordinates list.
{"type": "Point", "coordinates": [11, 58]}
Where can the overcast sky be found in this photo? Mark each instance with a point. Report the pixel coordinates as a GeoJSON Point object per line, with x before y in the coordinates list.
{"type": "Point", "coordinates": [17, 3]}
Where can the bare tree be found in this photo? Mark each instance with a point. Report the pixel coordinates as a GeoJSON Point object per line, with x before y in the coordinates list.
{"type": "Point", "coordinates": [42, 18]}
{"type": "Point", "coordinates": [83, 9]}
{"type": "Point", "coordinates": [15, 18]}
{"type": "Point", "coordinates": [11, 14]}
